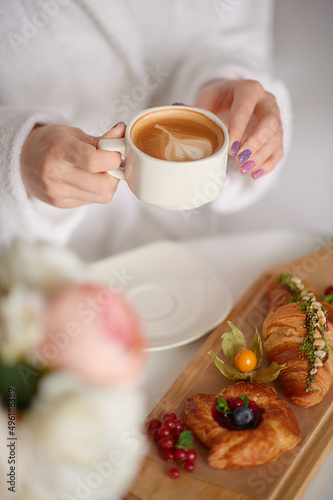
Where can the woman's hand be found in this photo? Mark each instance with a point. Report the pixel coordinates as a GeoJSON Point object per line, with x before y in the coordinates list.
{"type": "Point", "coordinates": [61, 166]}
{"type": "Point", "coordinates": [253, 119]}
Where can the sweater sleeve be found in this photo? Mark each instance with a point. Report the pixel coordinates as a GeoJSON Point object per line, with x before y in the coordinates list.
{"type": "Point", "coordinates": [240, 47]}
{"type": "Point", "coordinates": [20, 215]}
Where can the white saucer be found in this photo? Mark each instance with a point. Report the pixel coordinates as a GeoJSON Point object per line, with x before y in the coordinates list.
{"type": "Point", "coordinates": [176, 296]}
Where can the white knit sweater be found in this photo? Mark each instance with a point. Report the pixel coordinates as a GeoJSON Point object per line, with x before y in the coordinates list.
{"type": "Point", "coordinates": [91, 64]}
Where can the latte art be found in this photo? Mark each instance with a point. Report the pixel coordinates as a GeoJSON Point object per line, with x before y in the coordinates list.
{"type": "Point", "coordinates": [177, 134]}
{"type": "Point", "coordinates": [185, 148]}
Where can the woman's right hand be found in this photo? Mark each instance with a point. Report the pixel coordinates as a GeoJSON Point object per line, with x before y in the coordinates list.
{"type": "Point", "coordinates": [62, 166]}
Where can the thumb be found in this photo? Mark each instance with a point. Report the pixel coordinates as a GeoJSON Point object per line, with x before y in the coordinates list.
{"type": "Point", "coordinates": [116, 131]}
{"type": "Point", "coordinates": [215, 96]}
{"type": "Point", "coordinates": [207, 100]}
{"type": "Point", "coordinates": [110, 160]}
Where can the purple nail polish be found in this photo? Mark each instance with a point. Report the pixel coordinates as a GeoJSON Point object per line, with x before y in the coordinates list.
{"type": "Point", "coordinates": [244, 155]}
{"type": "Point", "coordinates": [258, 173]}
{"type": "Point", "coordinates": [178, 104]}
{"type": "Point", "coordinates": [248, 167]}
{"type": "Point", "coordinates": [114, 126]}
{"type": "Point", "coordinates": [235, 148]}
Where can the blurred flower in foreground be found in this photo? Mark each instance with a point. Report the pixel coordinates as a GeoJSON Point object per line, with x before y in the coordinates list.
{"type": "Point", "coordinates": [81, 441]}
{"type": "Point", "coordinates": [39, 266]}
{"type": "Point", "coordinates": [21, 311]}
{"type": "Point", "coordinates": [74, 353]}
{"type": "Point", "coordinates": [92, 331]}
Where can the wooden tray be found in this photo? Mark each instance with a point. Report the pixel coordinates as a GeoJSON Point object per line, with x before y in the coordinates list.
{"type": "Point", "coordinates": [292, 473]}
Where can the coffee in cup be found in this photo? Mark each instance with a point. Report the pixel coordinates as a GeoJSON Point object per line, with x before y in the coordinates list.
{"type": "Point", "coordinates": [175, 156]}
{"type": "Point", "coordinates": [177, 135]}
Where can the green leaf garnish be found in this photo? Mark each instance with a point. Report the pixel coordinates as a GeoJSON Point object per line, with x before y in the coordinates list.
{"type": "Point", "coordinates": [245, 400]}
{"type": "Point", "coordinates": [233, 342]}
{"type": "Point", "coordinates": [307, 299]}
{"type": "Point", "coordinates": [222, 406]}
{"type": "Point", "coordinates": [329, 298]}
{"type": "Point", "coordinates": [185, 440]}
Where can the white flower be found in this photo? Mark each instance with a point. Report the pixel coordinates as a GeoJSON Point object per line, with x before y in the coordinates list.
{"type": "Point", "coordinates": [28, 274]}
{"type": "Point", "coordinates": [39, 266]}
{"type": "Point", "coordinates": [81, 441]}
{"type": "Point", "coordinates": [20, 323]}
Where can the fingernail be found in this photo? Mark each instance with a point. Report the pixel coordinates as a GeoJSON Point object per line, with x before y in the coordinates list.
{"type": "Point", "coordinates": [178, 104]}
{"type": "Point", "coordinates": [248, 167]}
{"type": "Point", "coordinates": [116, 125]}
{"type": "Point", "coordinates": [244, 155]}
{"type": "Point", "coordinates": [258, 173]}
{"type": "Point", "coordinates": [235, 148]}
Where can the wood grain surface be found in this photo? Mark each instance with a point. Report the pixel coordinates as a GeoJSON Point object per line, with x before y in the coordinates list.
{"type": "Point", "coordinates": [288, 478]}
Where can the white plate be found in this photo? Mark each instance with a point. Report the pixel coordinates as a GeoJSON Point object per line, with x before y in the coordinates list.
{"type": "Point", "coordinates": [176, 296]}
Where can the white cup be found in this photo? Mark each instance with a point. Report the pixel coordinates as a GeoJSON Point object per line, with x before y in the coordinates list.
{"type": "Point", "coordinates": [170, 185]}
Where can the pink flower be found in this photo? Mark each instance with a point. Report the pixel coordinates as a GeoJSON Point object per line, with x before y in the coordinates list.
{"type": "Point", "coordinates": [93, 332]}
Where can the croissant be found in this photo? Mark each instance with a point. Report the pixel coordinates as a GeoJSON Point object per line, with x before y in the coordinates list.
{"type": "Point", "coordinates": [234, 449]}
{"type": "Point", "coordinates": [299, 334]}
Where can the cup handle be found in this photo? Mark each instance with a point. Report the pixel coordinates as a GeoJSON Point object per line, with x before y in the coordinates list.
{"type": "Point", "coordinates": [117, 145]}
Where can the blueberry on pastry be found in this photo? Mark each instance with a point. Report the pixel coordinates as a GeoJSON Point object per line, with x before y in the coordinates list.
{"type": "Point", "coordinates": [246, 424]}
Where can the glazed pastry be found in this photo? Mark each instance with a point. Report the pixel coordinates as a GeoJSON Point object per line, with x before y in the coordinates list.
{"type": "Point", "coordinates": [298, 332]}
{"type": "Point", "coordinates": [272, 431]}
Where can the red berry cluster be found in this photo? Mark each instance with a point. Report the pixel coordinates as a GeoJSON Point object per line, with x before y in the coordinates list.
{"type": "Point", "coordinates": [169, 433]}
{"type": "Point", "coordinates": [236, 402]}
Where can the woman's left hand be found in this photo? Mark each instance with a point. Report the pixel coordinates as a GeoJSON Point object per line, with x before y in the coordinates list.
{"type": "Point", "coordinates": [253, 119]}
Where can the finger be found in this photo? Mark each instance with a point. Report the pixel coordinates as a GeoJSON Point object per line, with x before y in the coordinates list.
{"type": "Point", "coordinates": [56, 173]}
{"type": "Point", "coordinates": [269, 164]}
{"type": "Point", "coordinates": [68, 203]}
{"type": "Point", "coordinates": [268, 126]}
{"type": "Point", "coordinates": [57, 192]}
{"type": "Point", "coordinates": [117, 130]}
{"type": "Point", "coordinates": [216, 97]}
{"type": "Point", "coordinates": [61, 203]}
{"type": "Point", "coordinates": [105, 195]}
{"type": "Point", "coordinates": [98, 184]}
{"type": "Point", "coordinates": [257, 160]}
{"type": "Point", "coordinates": [246, 97]}
{"type": "Point", "coordinates": [207, 99]}
{"type": "Point", "coordinates": [94, 160]}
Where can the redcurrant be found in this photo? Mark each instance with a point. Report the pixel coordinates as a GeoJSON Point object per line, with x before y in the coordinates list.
{"type": "Point", "coordinates": [189, 466]}
{"type": "Point", "coordinates": [174, 473]}
{"type": "Point", "coordinates": [252, 405]}
{"type": "Point", "coordinates": [180, 454]}
{"type": "Point", "coordinates": [191, 455]}
{"type": "Point", "coordinates": [169, 423]}
{"type": "Point", "coordinates": [176, 432]}
{"type": "Point", "coordinates": [173, 416]}
{"type": "Point", "coordinates": [234, 403]}
{"type": "Point", "coordinates": [156, 435]}
{"type": "Point", "coordinates": [164, 432]}
{"type": "Point", "coordinates": [168, 455]}
{"type": "Point", "coordinates": [179, 425]}
{"type": "Point", "coordinates": [155, 423]}
{"type": "Point", "coordinates": [166, 443]}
